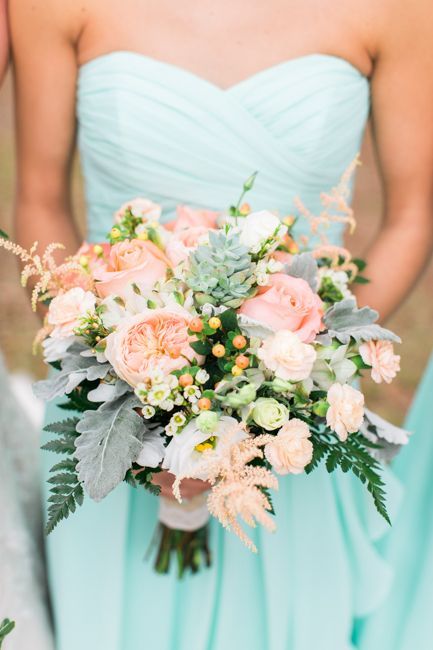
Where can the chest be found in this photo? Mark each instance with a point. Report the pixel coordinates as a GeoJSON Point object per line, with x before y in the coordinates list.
{"type": "Point", "coordinates": [226, 42]}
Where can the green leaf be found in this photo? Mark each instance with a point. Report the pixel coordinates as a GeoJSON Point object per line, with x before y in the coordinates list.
{"type": "Point", "coordinates": [61, 446]}
{"type": "Point", "coordinates": [360, 264]}
{"type": "Point", "coordinates": [65, 504]}
{"type": "Point", "coordinates": [359, 279]}
{"type": "Point", "coordinates": [67, 427]}
{"type": "Point", "coordinates": [3, 234]}
{"type": "Point", "coordinates": [6, 627]}
{"type": "Point", "coordinates": [229, 320]}
{"type": "Point", "coordinates": [201, 347]}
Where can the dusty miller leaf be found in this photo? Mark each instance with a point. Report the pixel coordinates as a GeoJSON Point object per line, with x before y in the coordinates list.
{"type": "Point", "coordinates": [110, 441]}
{"type": "Point", "coordinates": [345, 320]}
{"type": "Point", "coordinates": [304, 266]}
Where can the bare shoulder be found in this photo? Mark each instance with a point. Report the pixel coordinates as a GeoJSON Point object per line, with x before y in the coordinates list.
{"type": "Point", "coordinates": [60, 19]}
{"type": "Point", "coordinates": [403, 28]}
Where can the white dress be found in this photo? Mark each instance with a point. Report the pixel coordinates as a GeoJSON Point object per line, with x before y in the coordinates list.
{"type": "Point", "coordinates": [22, 580]}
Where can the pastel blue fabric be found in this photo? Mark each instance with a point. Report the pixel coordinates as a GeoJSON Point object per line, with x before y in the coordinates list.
{"type": "Point", "coordinates": [147, 128]}
{"type": "Point", "coordinates": [402, 622]}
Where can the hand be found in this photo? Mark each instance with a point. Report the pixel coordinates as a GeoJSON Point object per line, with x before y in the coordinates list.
{"type": "Point", "coordinates": [190, 487]}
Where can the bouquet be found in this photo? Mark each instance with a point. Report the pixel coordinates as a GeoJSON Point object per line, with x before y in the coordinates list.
{"type": "Point", "coordinates": [217, 347]}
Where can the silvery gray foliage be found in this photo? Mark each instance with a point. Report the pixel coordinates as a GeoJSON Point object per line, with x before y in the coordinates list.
{"type": "Point", "coordinates": [254, 328]}
{"type": "Point", "coordinates": [383, 433]}
{"type": "Point", "coordinates": [111, 440]}
{"type": "Point", "coordinates": [153, 447]}
{"type": "Point", "coordinates": [345, 320]}
{"type": "Point", "coordinates": [106, 392]}
{"type": "Point", "coordinates": [304, 266]}
{"type": "Point", "coordinates": [74, 369]}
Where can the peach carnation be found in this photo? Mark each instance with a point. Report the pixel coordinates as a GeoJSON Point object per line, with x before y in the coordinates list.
{"type": "Point", "coordinates": [380, 356]}
{"type": "Point", "coordinates": [131, 261]}
{"type": "Point", "coordinates": [291, 450]}
{"type": "Point", "coordinates": [154, 340]}
{"type": "Point", "coordinates": [66, 310]}
{"type": "Point", "coordinates": [287, 303]}
{"type": "Point", "coordinates": [346, 410]}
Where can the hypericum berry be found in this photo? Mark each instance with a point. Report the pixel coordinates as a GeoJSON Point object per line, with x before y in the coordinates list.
{"type": "Point", "coordinates": [84, 261]}
{"type": "Point", "coordinates": [214, 322]}
{"type": "Point", "coordinates": [115, 233]}
{"type": "Point", "coordinates": [218, 350]}
{"type": "Point", "coordinates": [204, 404]}
{"type": "Point", "coordinates": [185, 380]}
{"type": "Point", "coordinates": [236, 371]}
{"type": "Point", "coordinates": [98, 250]}
{"type": "Point", "coordinates": [245, 209]}
{"type": "Point", "coordinates": [196, 325]}
{"type": "Point", "coordinates": [239, 342]}
{"type": "Point", "coordinates": [242, 361]}
{"type": "Point", "coordinates": [143, 236]}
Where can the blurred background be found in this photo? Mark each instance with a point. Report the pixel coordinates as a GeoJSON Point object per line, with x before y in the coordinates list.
{"type": "Point", "coordinates": [413, 322]}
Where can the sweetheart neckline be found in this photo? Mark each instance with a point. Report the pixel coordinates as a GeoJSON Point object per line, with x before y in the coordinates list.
{"type": "Point", "coordinates": [287, 63]}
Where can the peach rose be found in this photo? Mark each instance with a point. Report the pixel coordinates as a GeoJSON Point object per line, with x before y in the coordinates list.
{"type": "Point", "coordinates": [346, 410]}
{"type": "Point", "coordinates": [95, 256]}
{"type": "Point", "coordinates": [287, 303]}
{"type": "Point", "coordinates": [141, 208]}
{"type": "Point", "coordinates": [183, 242]}
{"type": "Point", "coordinates": [155, 339]}
{"type": "Point", "coordinates": [66, 309]}
{"type": "Point", "coordinates": [380, 356]}
{"type": "Point", "coordinates": [187, 217]}
{"type": "Point", "coordinates": [286, 355]}
{"type": "Point", "coordinates": [131, 261]}
{"type": "Point", "coordinates": [291, 450]}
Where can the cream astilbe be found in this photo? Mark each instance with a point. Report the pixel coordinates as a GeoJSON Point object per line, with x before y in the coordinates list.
{"type": "Point", "coordinates": [237, 487]}
{"type": "Point", "coordinates": [336, 200]}
{"type": "Point", "coordinates": [44, 267]}
{"type": "Point", "coordinates": [341, 258]}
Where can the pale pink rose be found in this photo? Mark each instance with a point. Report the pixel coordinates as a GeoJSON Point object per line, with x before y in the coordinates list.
{"type": "Point", "coordinates": [67, 308]}
{"type": "Point", "coordinates": [287, 303]}
{"type": "Point", "coordinates": [155, 339]}
{"type": "Point", "coordinates": [187, 217]}
{"type": "Point", "coordinates": [183, 242]}
{"type": "Point", "coordinates": [131, 261]}
{"type": "Point", "coordinates": [286, 355]}
{"type": "Point", "coordinates": [143, 209]}
{"type": "Point", "coordinates": [291, 450]}
{"type": "Point", "coordinates": [380, 356]}
{"type": "Point", "coordinates": [346, 410]}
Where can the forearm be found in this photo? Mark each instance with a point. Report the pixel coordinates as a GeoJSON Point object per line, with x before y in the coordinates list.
{"type": "Point", "coordinates": [395, 261]}
{"type": "Point", "coordinates": [4, 39]}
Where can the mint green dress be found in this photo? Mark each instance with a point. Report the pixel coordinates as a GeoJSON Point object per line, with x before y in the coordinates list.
{"type": "Point", "coordinates": [147, 128]}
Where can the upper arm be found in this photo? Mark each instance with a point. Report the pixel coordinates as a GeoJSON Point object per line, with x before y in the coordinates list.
{"type": "Point", "coordinates": [4, 39]}
{"type": "Point", "coordinates": [402, 110]}
{"type": "Point", "coordinates": [42, 34]}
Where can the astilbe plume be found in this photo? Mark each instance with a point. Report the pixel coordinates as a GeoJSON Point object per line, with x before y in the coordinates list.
{"type": "Point", "coordinates": [238, 488]}
{"type": "Point", "coordinates": [336, 200]}
{"type": "Point", "coordinates": [341, 258]}
{"type": "Point", "coordinates": [51, 276]}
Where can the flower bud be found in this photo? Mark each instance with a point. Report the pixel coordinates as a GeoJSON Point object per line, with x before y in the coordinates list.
{"type": "Point", "coordinates": [207, 421]}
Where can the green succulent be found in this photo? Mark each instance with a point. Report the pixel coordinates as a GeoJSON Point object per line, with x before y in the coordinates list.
{"type": "Point", "coordinates": [222, 272]}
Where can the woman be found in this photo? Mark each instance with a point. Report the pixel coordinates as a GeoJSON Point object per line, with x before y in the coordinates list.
{"type": "Point", "coordinates": [181, 103]}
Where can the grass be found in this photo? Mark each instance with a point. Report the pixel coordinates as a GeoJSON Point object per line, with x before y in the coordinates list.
{"type": "Point", "coordinates": [413, 322]}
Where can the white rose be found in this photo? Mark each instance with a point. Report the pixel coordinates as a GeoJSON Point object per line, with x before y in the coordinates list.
{"type": "Point", "coordinates": [66, 310]}
{"type": "Point", "coordinates": [257, 227]}
{"type": "Point", "coordinates": [291, 450]}
{"type": "Point", "coordinates": [287, 357]}
{"type": "Point", "coordinates": [346, 410]}
{"type": "Point", "coordinates": [184, 454]}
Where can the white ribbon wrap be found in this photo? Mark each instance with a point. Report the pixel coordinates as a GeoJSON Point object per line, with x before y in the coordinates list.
{"type": "Point", "coordinates": [189, 515]}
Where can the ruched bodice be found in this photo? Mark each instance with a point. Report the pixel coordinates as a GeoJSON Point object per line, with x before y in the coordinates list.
{"type": "Point", "coordinates": [150, 128]}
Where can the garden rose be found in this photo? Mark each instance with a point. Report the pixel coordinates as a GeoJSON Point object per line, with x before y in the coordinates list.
{"type": "Point", "coordinates": [286, 355]}
{"type": "Point", "coordinates": [131, 261]}
{"type": "Point", "coordinates": [183, 242]}
{"type": "Point", "coordinates": [187, 217]}
{"type": "Point", "coordinates": [269, 414]}
{"type": "Point", "coordinates": [184, 454]}
{"type": "Point", "coordinates": [154, 340]}
{"type": "Point", "coordinates": [380, 356]}
{"type": "Point", "coordinates": [67, 308]}
{"type": "Point", "coordinates": [346, 410]}
{"type": "Point", "coordinates": [291, 450]}
{"type": "Point", "coordinates": [287, 303]}
{"type": "Point", "coordinates": [141, 208]}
